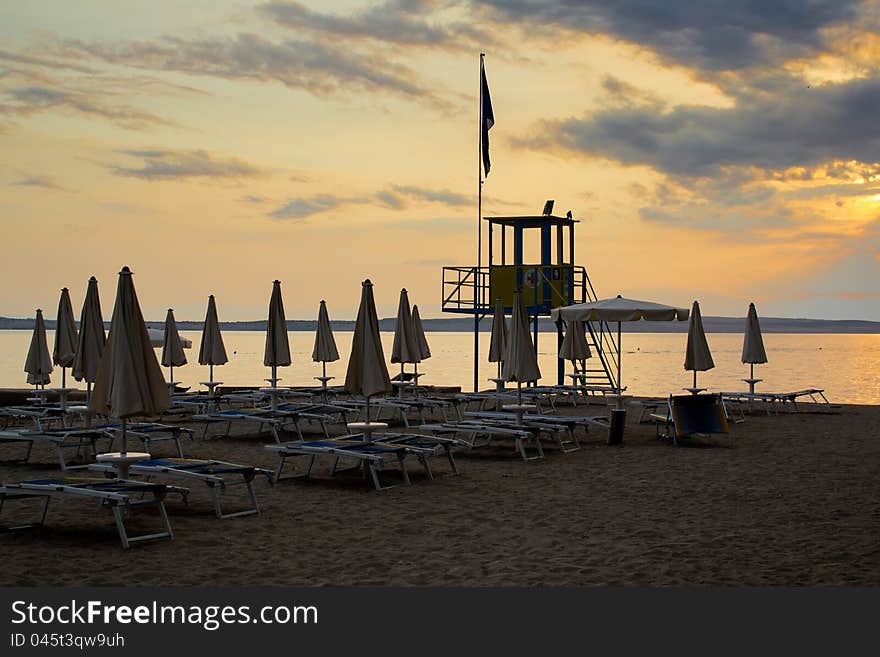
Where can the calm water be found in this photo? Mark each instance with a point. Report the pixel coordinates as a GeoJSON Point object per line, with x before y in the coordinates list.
{"type": "Point", "coordinates": [847, 366]}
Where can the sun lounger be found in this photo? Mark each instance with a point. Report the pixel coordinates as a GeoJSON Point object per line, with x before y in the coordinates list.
{"type": "Point", "coordinates": [474, 433]}
{"type": "Point", "coordinates": [151, 432]}
{"type": "Point", "coordinates": [779, 399]}
{"type": "Point", "coordinates": [689, 415]}
{"type": "Point", "coordinates": [423, 447]}
{"type": "Point", "coordinates": [120, 495]}
{"type": "Point", "coordinates": [285, 415]}
{"type": "Point", "coordinates": [58, 439]}
{"type": "Point", "coordinates": [219, 476]}
{"type": "Point", "coordinates": [373, 457]}
{"type": "Point", "coordinates": [553, 427]}
{"type": "Point", "coordinates": [43, 416]}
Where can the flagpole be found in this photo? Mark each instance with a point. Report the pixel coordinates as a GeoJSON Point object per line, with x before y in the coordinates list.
{"type": "Point", "coordinates": [479, 226]}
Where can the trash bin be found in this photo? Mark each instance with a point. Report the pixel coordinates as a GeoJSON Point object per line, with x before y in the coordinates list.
{"type": "Point", "coordinates": [615, 429]}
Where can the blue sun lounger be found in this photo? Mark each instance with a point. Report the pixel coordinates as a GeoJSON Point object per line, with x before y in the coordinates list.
{"type": "Point", "coordinates": [371, 456]}
{"type": "Point", "coordinates": [59, 439]}
{"type": "Point", "coordinates": [122, 496]}
{"type": "Point", "coordinates": [215, 474]}
{"type": "Point", "coordinates": [690, 415]}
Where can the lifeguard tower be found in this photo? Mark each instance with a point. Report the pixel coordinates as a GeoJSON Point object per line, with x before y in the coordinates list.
{"type": "Point", "coordinates": [547, 277]}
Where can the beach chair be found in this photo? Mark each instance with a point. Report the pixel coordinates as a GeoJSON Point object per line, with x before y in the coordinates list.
{"type": "Point", "coordinates": [57, 439]}
{"type": "Point", "coordinates": [42, 416]}
{"type": "Point", "coordinates": [474, 434]}
{"type": "Point", "coordinates": [151, 432]}
{"type": "Point", "coordinates": [219, 476]}
{"type": "Point", "coordinates": [120, 495]}
{"type": "Point", "coordinates": [370, 456]}
{"type": "Point", "coordinates": [424, 447]}
{"type": "Point", "coordinates": [690, 415]}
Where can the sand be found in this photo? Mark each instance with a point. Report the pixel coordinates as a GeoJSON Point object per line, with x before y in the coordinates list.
{"type": "Point", "coordinates": [784, 500]}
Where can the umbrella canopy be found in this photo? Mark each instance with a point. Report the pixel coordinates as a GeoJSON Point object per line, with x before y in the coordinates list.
{"type": "Point", "coordinates": [325, 344]}
{"type": "Point", "coordinates": [64, 353]}
{"type": "Point", "coordinates": [498, 339]}
{"type": "Point", "coordinates": [172, 347]}
{"type": "Point", "coordinates": [367, 374]}
{"type": "Point", "coordinates": [619, 310]}
{"type": "Point", "coordinates": [421, 339]}
{"type": "Point", "coordinates": [91, 341]}
{"type": "Point", "coordinates": [277, 352]}
{"type": "Point", "coordinates": [405, 348]}
{"type": "Point", "coordinates": [697, 356]}
{"type": "Point", "coordinates": [38, 364]}
{"type": "Point", "coordinates": [574, 345]}
{"type": "Point", "coordinates": [753, 344]}
{"type": "Point", "coordinates": [520, 362]}
{"type": "Point", "coordinates": [129, 380]}
{"type": "Point", "coordinates": [211, 351]}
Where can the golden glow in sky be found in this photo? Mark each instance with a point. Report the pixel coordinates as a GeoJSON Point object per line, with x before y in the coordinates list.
{"type": "Point", "coordinates": [215, 146]}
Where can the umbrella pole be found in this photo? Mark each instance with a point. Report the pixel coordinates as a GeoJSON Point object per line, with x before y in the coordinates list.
{"type": "Point", "coordinates": [400, 387]}
{"type": "Point", "coordinates": [63, 377]}
{"type": "Point", "coordinates": [695, 379]}
{"type": "Point", "coordinates": [211, 379]}
{"type": "Point", "coordinates": [619, 387]}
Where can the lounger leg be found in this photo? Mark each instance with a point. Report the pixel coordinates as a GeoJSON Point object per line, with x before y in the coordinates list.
{"type": "Point", "coordinates": [27, 456]}
{"type": "Point", "coordinates": [60, 454]}
{"type": "Point", "coordinates": [427, 466]}
{"type": "Point", "coordinates": [451, 459]}
{"type": "Point", "coordinates": [120, 526]}
{"type": "Point", "coordinates": [401, 459]}
{"type": "Point", "coordinates": [179, 448]}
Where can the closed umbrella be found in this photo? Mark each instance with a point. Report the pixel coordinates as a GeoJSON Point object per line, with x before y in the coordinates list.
{"type": "Point", "coordinates": [64, 353]}
{"type": "Point", "coordinates": [172, 348]}
{"type": "Point", "coordinates": [498, 340]}
{"type": "Point", "coordinates": [753, 346]}
{"type": "Point", "coordinates": [520, 362]}
{"type": "Point", "coordinates": [90, 344]}
{"type": "Point", "coordinates": [404, 349]}
{"type": "Point", "coordinates": [212, 351]}
{"type": "Point", "coordinates": [697, 355]}
{"type": "Point", "coordinates": [277, 352]}
{"type": "Point", "coordinates": [129, 381]}
{"type": "Point", "coordinates": [324, 350]}
{"type": "Point", "coordinates": [367, 373]}
{"type": "Point", "coordinates": [574, 344]}
{"type": "Point", "coordinates": [38, 364]}
{"type": "Point", "coordinates": [421, 339]}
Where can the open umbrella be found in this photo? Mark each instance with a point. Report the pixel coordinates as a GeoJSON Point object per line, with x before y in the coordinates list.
{"type": "Point", "coordinates": [619, 309]}
{"type": "Point", "coordinates": [324, 350]}
{"type": "Point", "coordinates": [38, 364]}
{"type": "Point", "coordinates": [405, 348]}
{"type": "Point", "coordinates": [697, 355]}
{"type": "Point", "coordinates": [212, 351]}
{"type": "Point", "coordinates": [498, 339]}
{"type": "Point", "coordinates": [421, 340]}
{"type": "Point", "coordinates": [277, 352]}
{"type": "Point", "coordinates": [753, 346]}
{"type": "Point", "coordinates": [172, 348]}
{"type": "Point", "coordinates": [367, 374]}
{"type": "Point", "coordinates": [574, 345]}
{"type": "Point", "coordinates": [64, 352]}
{"type": "Point", "coordinates": [520, 362]}
{"type": "Point", "coordinates": [129, 381]}
{"type": "Point", "coordinates": [91, 341]}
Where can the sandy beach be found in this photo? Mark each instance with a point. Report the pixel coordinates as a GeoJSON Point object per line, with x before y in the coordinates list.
{"type": "Point", "coordinates": [784, 500]}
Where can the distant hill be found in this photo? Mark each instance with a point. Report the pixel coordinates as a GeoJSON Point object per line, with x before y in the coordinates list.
{"type": "Point", "coordinates": [711, 324]}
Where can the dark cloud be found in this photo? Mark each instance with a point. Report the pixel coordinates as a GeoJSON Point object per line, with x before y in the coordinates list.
{"type": "Point", "coordinates": [396, 197]}
{"type": "Point", "coordinates": [38, 181]}
{"type": "Point", "coordinates": [29, 100]}
{"type": "Point", "coordinates": [318, 68]}
{"type": "Point", "coordinates": [301, 208]}
{"type": "Point", "coordinates": [161, 164]}
{"type": "Point", "coordinates": [401, 22]}
{"type": "Point", "coordinates": [795, 126]}
{"type": "Point", "coordinates": [7, 57]}
{"type": "Point", "coordinates": [708, 34]}
{"type": "Point", "coordinates": [443, 196]}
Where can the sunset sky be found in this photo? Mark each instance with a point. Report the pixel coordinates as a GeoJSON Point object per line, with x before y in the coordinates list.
{"type": "Point", "coordinates": [722, 150]}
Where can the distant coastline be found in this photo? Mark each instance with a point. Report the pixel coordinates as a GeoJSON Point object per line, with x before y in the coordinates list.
{"type": "Point", "coordinates": [461, 324]}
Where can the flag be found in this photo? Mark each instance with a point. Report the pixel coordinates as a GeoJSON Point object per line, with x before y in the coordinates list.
{"type": "Point", "coordinates": [487, 118]}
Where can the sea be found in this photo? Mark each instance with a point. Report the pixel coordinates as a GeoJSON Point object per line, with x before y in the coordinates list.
{"type": "Point", "coordinates": [846, 366]}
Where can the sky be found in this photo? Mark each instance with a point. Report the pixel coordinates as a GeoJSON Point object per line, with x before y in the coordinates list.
{"type": "Point", "coordinates": [726, 151]}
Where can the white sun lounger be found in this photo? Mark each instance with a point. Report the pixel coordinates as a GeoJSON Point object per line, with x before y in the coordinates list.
{"type": "Point", "coordinates": [474, 433]}
{"type": "Point", "coordinates": [370, 456]}
{"type": "Point", "coordinates": [122, 496]}
{"type": "Point", "coordinates": [215, 474]}
{"type": "Point", "coordinates": [58, 439]}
